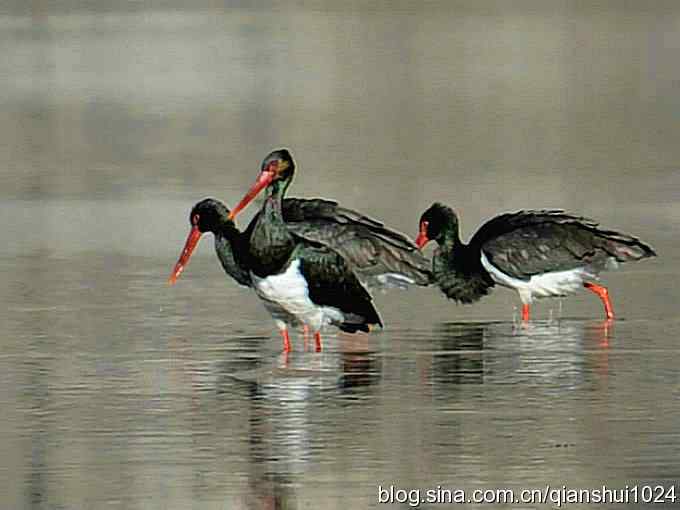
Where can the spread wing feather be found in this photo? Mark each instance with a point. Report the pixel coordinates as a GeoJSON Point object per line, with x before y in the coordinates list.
{"type": "Point", "coordinates": [379, 256]}
{"type": "Point", "coordinates": [526, 243]}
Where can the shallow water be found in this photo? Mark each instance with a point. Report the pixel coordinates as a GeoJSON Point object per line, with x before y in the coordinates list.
{"type": "Point", "coordinates": [118, 391]}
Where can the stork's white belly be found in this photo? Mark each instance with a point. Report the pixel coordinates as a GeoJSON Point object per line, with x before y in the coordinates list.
{"type": "Point", "coordinates": [289, 291]}
{"type": "Point", "coordinates": [555, 283]}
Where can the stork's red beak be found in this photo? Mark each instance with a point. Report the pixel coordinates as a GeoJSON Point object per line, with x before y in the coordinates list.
{"type": "Point", "coordinates": [263, 180]}
{"type": "Point", "coordinates": [422, 238]}
{"type": "Point", "coordinates": [189, 246]}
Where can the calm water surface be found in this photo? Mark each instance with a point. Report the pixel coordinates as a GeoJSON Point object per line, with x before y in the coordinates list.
{"type": "Point", "coordinates": [118, 391]}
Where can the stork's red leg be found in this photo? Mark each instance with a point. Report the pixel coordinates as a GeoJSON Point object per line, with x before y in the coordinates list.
{"type": "Point", "coordinates": [286, 340]}
{"type": "Point", "coordinates": [525, 312]}
{"type": "Point", "coordinates": [603, 294]}
{"type": "Point", "coordinates": [317, 340]}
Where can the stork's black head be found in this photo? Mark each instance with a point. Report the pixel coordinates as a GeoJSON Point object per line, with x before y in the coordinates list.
{"type": "Point", "coordinates": [208, 215]}
{"type": "Point", "coordinates": [278, 166]}
{"type": "Point", "coordinates": [435, 223]}
{"type": "Point", "coordinates": [280, 163]}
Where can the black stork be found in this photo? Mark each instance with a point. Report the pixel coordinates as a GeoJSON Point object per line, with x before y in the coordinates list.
{"type": "Point", "coordinates": [541, 253]}
{"type": "Point", "coordinates": [311, 281]}
{"type": "Point", "coordinates": [231, 246]}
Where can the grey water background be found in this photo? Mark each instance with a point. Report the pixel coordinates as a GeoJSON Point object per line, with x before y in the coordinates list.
{"type": "Point", "coordinates": [118, 391]}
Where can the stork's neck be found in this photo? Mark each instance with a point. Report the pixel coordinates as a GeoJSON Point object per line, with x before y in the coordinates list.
{"type": "Point", "coordinates": [231, 253]}
{"type": "Point", "coordinates": [226, 229]}
{"type": "Point", "coordinates": [449, 239]}
{"type": "Point", "coordinates": [271, 243]}
{"type": "Point", "coordinates": [451, 253]}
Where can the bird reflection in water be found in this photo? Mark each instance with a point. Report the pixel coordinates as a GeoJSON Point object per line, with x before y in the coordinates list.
{"type": "Point", "coordinates": [563, 350]}
{"type": "Point", "coordinates": [270, 477]}
{"type": "Point", "coordinates": [360, 366]}
{"type": "Point", "coordinates": [469, 353]}
{"type": "Point", "coordinates": [599, 334]}
{"type": "Point", "coordinates": [289, 400]}
{"type": "Point", "coordinates": [456, 357]}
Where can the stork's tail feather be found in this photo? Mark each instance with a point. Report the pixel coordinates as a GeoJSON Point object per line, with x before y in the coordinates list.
{"type": "Point", "coordinates": [625, 248]}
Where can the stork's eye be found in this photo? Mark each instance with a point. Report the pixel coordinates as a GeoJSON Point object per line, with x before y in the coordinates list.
{"type": "Point", "coordinates": [194, 219]}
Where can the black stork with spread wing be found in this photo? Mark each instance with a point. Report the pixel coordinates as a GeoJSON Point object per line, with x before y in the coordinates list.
{"type": "Point", "coordinates": [540, 253]}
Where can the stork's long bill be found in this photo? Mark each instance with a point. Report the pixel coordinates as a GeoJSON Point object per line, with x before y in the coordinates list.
{"type": "Point", "coordinates": [189, 246]}
{"type": "Point", "coordinates": [264, 179]}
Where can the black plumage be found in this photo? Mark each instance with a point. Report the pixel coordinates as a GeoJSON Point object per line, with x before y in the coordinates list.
{"type": "Point", "coordinates": [331, 282]}
{"type": "Point", "coordinates": [526, 243]}
{"type": "Point", "coordinates": [231, 245]}
{"type": "Point", "coordinates": [380, 257]}
{"type": "Point", "coordinates": [456, 268]}
{"type": "Point", "coordinates": [461, 276]}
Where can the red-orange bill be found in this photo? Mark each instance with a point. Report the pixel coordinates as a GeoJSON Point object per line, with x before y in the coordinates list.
{"type": "Point", "coordinates": [422, 238]}
{"type": "Point", "coordinates": [189, 246]}
{"type": "Point", "coordinates": [263, 180]}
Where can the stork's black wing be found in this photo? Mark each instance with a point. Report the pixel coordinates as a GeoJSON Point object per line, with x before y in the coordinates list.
{"type": "Point", "coordinates": [379, 256]}
{"type": "Point", "coordinates": [526, 243]}
{"type": "Point", "coordinates": [331, 282]}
